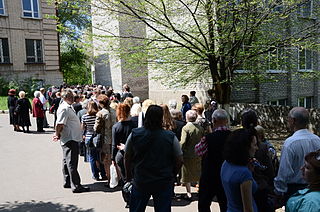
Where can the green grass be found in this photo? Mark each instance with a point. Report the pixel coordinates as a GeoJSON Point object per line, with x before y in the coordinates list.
{"type": "Point", "coordinates": [3, 103]}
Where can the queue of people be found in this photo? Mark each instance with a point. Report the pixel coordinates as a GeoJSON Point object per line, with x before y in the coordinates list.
{"type": "Point", "coordinates": [155, 147]}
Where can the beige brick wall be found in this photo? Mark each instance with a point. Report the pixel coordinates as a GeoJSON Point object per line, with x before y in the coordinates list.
{"type": "Point", "coordinates": [17, 28]}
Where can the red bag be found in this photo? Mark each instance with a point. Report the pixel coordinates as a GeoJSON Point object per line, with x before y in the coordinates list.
{"type": "Point", "coordinates": [201, 148]}
{"type": "Point", "coordinates": [51, 110]}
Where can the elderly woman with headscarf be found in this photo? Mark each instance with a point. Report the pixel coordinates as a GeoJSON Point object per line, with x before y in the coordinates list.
{"type": "Point", "coordinates": [190, 136]}
{"type": "Point", "coordinates": [37, 111]}
{"type": "Point", "coordinates": [12, 103]}
{"type": "Point", "coordinates": [23, 114]}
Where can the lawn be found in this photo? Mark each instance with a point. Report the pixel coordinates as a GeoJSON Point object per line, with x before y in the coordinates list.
{"type": "Point", "coordinates": [3, 103]}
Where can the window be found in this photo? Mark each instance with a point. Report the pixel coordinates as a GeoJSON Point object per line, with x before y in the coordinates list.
{"type": "Point", "coordinates": [305, 59]}
{"type": "Point", "coordinates": [276, 59]}
{"type": "Point", "coordinates": [278, 102]}
{"type": "Point", "coordinates": [305, 102]}
{"type": "Point", "coordinates": [34, 51]}
{"type": "Point", "coordinates": [305, 9]}
{"type": "Point", "coordinates": [1, 7]}
{"type": "Point", "coordinates": [30, 8]}
{"type": "Point", "coordinates": [4, 51]}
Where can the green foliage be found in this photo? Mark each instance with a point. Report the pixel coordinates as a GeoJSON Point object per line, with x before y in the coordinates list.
{"type": "Point", "coordinates": [74, 22]}
{"type": "Point", "coordinates": [28, 85]}
{"type": "Point", "coordinates": [4, 86]}
{"type": "Point", "coordinates": [74, 66]}
{"type": "Point", "coordinates": [188, 41]}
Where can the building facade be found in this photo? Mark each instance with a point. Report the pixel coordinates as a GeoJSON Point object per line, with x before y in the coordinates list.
{"type": "Point", "coordinates": [29, 46]}
{"type": "Point", "coordinates": [287, 83]}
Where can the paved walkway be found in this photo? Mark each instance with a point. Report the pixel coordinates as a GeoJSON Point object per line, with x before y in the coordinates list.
{"type": "Point", "coordinates": [31, 177]}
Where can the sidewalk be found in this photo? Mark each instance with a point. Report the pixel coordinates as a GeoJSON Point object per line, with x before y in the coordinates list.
{"type": "Point", "coordinates": [31, 177]}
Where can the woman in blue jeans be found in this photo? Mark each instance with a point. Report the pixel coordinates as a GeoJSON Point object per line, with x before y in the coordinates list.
{"type": "Point", "coordinates": [88, 121]}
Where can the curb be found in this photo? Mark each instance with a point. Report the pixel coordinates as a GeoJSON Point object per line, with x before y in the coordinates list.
{"type": "Point", "coordinates": [4, 111]}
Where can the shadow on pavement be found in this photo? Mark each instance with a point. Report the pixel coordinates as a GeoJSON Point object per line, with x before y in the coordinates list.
{"type": "Point", "coordinates": [178, 200]}
{"type": "Point", "coordinates": [102, 186]}
{"type": "Point", "coordinates": [34, 206]}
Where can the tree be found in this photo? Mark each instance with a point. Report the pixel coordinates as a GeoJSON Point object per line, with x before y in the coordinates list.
{"type": "Point", "coordinates": [74, 25]}
{"type": "Point", "coordinates": [191, 40]}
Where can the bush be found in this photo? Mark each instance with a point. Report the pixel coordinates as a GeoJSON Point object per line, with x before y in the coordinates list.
{"type": "Point", "coordinates": [28, 85]}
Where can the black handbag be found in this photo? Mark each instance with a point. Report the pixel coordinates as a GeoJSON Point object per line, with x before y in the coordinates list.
{"type": "Point", "coordinates": [96, 140]}
{"type": "Point", "coordinates": [17, 109]}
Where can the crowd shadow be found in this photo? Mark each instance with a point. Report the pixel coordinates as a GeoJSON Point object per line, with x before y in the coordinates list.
{"type": "Point", "coordinates": [178, 200]}
{"type": "Point", "coordinates": [102, 187]}
{"type": "Point", "coordinates": [39, 206]}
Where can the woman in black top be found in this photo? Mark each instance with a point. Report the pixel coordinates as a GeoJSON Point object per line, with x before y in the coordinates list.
{"type": "Point", "coordinates": [120, 132]}
{"type": "Point", "coordinates": [12, 103]}
{"type": "Point", "coordinates": [24, 107]}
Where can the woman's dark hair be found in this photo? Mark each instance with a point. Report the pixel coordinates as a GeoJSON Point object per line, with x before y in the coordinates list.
{"type": "Point", "coordinates": [154, 116]}
{"type": "Point", "coordinates": [237, 147]}
{"type": "Point", "coordinates": [313, 158]}
{"type": "Point", "coordinates": [249, 119]}
{"type": "Point", "coordinates": [186, 98]}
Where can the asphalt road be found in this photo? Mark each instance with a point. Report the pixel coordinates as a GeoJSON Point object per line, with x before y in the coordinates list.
{"type": "Point", "coordinates": [31, 177]}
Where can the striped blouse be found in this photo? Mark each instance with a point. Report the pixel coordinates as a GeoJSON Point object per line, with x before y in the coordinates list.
{"type": "Point", "coordinates": [88, 121]}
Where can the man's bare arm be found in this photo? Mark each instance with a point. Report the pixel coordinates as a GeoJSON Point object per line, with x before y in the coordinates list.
{"type": "Point", "coordinates": [57, 135]}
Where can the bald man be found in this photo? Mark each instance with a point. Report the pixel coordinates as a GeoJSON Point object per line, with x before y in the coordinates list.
{"type": "Point", "coordinates": [289, 179]}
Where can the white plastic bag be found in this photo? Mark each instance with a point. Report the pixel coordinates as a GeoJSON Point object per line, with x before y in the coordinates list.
{"type": "Point", "coordinates": [113, 176]}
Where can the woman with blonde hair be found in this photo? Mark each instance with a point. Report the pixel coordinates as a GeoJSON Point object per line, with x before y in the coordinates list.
{"type": "Point", "coordinates": [23, 109]}
{"type": "Point", "coordinates": [88, 120]}
{"type": "Point", "coordinates": [146, 103]}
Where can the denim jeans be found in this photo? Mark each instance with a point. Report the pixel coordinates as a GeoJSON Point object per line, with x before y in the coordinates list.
{"type": "Point", "coordinates": [162, 200]}
{"type": "Point", "coordinates": [93, 157]}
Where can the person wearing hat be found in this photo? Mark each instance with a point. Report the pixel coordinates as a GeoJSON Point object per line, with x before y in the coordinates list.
{"type": "Point", "coordinates": [12, 103]}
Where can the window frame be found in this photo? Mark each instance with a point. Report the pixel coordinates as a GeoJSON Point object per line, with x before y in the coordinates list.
{"type": "Point", "coordinates": [302, 10]}
{"type": "Point", "coordinates": [4, 9]}
{"type": "Point", "coordinates": [37, 58]}
{"type": "Point", "coordinates": [304, 99]}
{"type": "Point", "coordinates": [32, 12]}
{"type": "Point", "coordinates": [2, 60]}
{"type": "Point", "coordinates": [278, 101]}
{"type": "Point", "coordinates": [276, 60]}
{"type": "Point", "coordinates": [306, 59]}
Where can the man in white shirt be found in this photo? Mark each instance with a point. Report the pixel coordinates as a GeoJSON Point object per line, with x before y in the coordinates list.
{"type": "Point", "coordinates": [68, 132]}
{"type": "Point", "coordinates": [44, 102]}
{"type": "Point", "coordinates": [289, 179]}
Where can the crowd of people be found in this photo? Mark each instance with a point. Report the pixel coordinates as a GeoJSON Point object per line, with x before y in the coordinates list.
{"type": "Point", "coordinates": [155, 147]}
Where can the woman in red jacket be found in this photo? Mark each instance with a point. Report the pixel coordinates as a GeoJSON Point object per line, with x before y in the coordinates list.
{"type": "Point", "coordinates": [37, 111]}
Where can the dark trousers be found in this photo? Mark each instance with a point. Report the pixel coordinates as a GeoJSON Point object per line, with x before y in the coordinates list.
{"type": "Point", "coordinates": [161, 199]}
{"type": "Point", "coordinates": [70, 164]}
{"type": "Point", "coordinates": [210, 185]}
{"type": "Point", "coordinates": [45, 121]}
{"type": "Point", "coordinates": [120, 162]}
{"type": "Point", "coordinates": [39, 124]}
